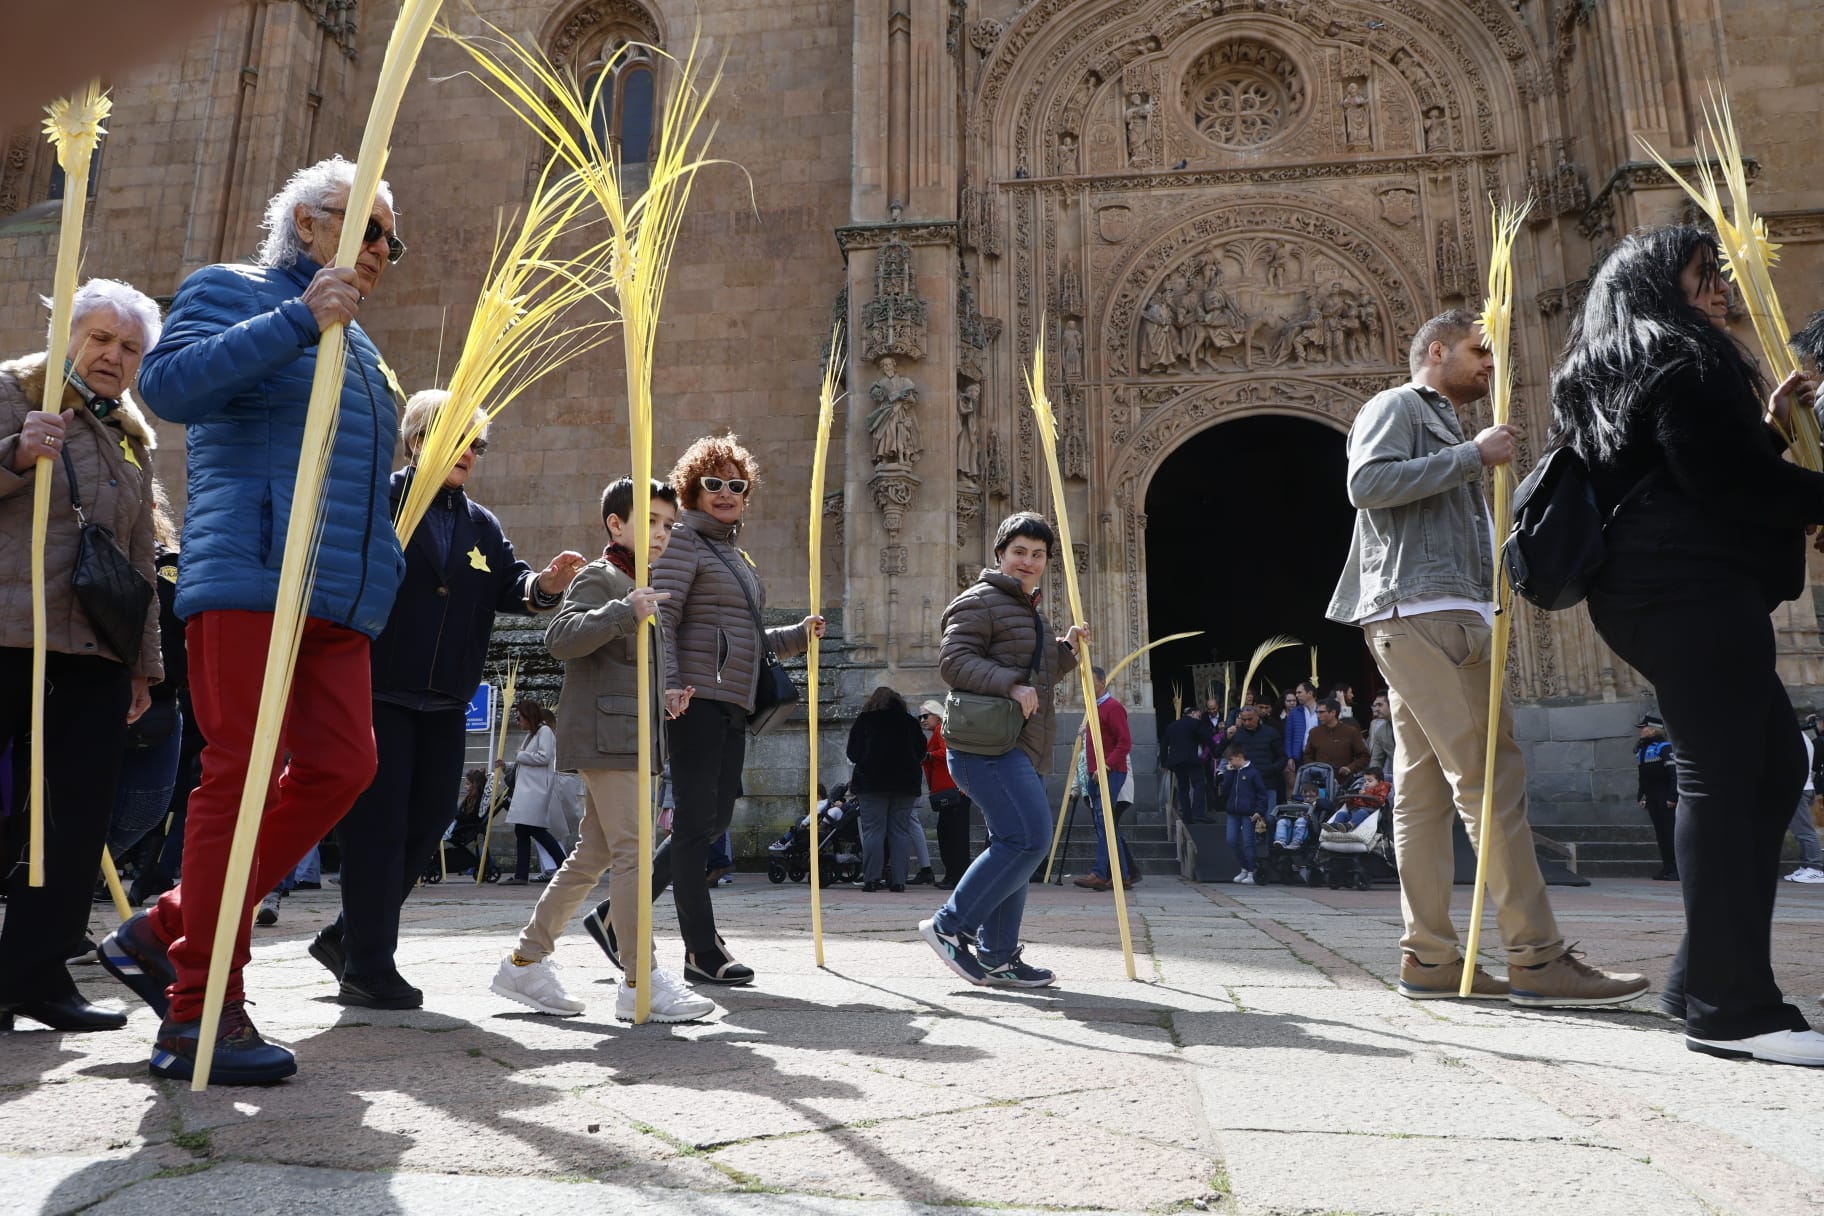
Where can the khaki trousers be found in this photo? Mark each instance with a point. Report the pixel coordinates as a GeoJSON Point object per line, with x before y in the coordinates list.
{"type": "Point", "coordinates": [607, 842]}
{"type": "Point", "coordinates": [1437, 669]}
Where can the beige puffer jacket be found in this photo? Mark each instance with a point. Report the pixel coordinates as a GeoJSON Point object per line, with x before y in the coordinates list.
{"type": "Point", "coordinates": [598, 714]}
{"type": "Point", "coordinates": [113, 462]}
{"type": "Point", "coordinates": [715, 647]}
{"type": "Point", "coordinates": [987, 648]}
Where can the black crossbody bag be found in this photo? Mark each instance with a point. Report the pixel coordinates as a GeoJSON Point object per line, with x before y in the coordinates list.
{"type": "Point", "coordinates": [774, 692]}
{"type": "Point", "coordinates": [114, 596]}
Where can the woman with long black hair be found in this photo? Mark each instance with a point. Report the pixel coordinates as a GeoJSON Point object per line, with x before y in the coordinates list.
{"type": "Point", "coordinates": [1706, 539]}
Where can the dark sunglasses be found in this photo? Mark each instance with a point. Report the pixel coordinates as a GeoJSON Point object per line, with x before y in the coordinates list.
{"type": "Point", "coordinates": [395, 248]}
{"type": "Point", "coordinates": [479, 446]}
{"type": "Point", "coordinates": [736, 485]}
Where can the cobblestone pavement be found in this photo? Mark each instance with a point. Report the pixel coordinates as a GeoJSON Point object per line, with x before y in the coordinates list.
{"type": "Point", "coordinates": [1262, 1065]}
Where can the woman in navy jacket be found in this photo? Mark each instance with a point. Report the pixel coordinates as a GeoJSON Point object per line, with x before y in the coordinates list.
{"type": "Point", "coordinates": [460, 570]}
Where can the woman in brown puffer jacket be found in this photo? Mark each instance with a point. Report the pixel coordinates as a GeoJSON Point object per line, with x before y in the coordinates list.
{"type": "Point", "coordinates": [997, 643]}
{"type": "Point", "coordinates": [712, 669]}
{"type": "Point", "coordinates": [92, 692]}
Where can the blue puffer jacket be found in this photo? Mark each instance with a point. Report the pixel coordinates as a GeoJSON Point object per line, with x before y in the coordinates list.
{"type": "Point", "coordinates": [234, 366]}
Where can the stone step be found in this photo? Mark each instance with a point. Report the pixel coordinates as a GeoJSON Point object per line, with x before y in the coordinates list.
{"type": "Point", "coordinates": [1578, 833]}
{"type": "Point", "coordinates": [1590, 851]}
{"type": "Point", "coordinates": [1620, 868]}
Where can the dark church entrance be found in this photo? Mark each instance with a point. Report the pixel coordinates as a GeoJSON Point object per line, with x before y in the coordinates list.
{"type": "Point", "coordinates": [1247, 527]}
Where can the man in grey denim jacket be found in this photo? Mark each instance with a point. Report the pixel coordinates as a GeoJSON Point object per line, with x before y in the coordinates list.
{"type": "Point", "coordinates": [1420, 582]}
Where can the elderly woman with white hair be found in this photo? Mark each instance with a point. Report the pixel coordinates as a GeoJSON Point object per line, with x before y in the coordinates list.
{"type": "Point", "coordinates": [460, 570]}
{"type": "Point", "coordinates": [99, 670]}
{"type": "Point", "coordinates": [234, 367]}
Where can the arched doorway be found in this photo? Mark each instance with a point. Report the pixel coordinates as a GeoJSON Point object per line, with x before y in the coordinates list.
{"type": "Point", "coordinates": [1247, 527]}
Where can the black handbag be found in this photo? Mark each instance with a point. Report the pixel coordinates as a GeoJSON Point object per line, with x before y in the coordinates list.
{"type": "Point", "coordinates": [1555, 546]}
{"type": "Point", "coordinates": [774, 692]}
{"type": "Point", "coordinates": [114, 596]}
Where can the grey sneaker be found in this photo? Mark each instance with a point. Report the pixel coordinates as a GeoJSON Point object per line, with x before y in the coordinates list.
{"type": "Point", "coordinates": [1568, 981]}
{"type": "Point", "coordinates": [954, 949]}
{"type": "Point", "coordinates": [268, 915]}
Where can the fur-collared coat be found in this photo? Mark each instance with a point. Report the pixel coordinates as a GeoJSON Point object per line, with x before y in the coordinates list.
{"type": "Point", "coordinates": [113, 462]}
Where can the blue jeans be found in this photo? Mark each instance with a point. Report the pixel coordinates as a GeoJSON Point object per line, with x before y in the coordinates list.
{"type": "Point", "coordinates": [1128, 868]}
{"type": "Point", "coordinates": [991, 897]}
{"type": "Point", "coordinates": [1241, 839]}
{"type": "Point", "coordinates": [886, 837]}
{"type": "Point", "coordinates": [143, 796]}
{"type": "Point", "coordinates": [1291, 832]}
{"type": "Point", "coordinates": [1802, 831]}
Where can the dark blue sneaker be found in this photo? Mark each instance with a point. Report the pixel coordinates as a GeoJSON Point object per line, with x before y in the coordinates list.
{"type": "Point", "coordinates": [241, 1057]}
{"type": "Point", "coordinates": [954, 949]}
{"type": "Point", "coordinates": [133, 955]}
{"type": "Point", "coordinates": [602, 930]}
{"type": "Point", "coordinates": [1017, 973]}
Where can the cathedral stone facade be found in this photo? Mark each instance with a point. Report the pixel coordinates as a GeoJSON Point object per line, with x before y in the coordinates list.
{"type": "Point", "coordinates": [1222, 219]}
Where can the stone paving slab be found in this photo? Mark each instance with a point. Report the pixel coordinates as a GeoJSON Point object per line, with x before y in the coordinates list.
{"type": "Point", "coordinates": [1263, 1065]}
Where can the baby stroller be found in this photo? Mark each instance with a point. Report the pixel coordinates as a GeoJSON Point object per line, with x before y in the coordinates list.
{"type": "Point", "coordinates": [1356, 856]}
{"type": "Point", "coordinates": [838, 847]}
{"type": "Point", "coordinates": [1296, 860]}
{"type": "Point", "coordinates": [1320, 775]}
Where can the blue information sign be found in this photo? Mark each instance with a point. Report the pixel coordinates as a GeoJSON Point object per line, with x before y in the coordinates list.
{"type": "Point", "coordinates": [481, 709]}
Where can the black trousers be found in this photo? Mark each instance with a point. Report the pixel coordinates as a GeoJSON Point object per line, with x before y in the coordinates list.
{"type": "Point", "coordinates": [1701, 633]}
{"type": "Point", "coordinates": [86, 699]}
{"type": "Point", "coordinates": [1664, 814]}
{"type": "Point", "coordinates": [390, 835]}
{"type": "Point", "coordinates": [708, 746]}
{"type": "Point", "coordinates": [524, 834]}
{"type": "Point", "coordinates": [1187, 790]}
{"type": "Point", "coordinates": [953, 832]}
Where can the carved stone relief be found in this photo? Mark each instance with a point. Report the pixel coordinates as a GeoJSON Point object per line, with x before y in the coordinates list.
{"type": "Point", "coordinates": [968, 446]}
{"type": "Point", "coordinates": [1244, 93]}
{"type": "Point", "coordinates": [1456, 277]}
{"type": "Point", "coordinates": [894, 321]}
{"type": "Point", "coordinates": [1256, 300]}
{"type": "Point", "coordinates": [893, 422]}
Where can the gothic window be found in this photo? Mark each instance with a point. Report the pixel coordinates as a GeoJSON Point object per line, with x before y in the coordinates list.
{"type": "Point", "coordinates": [1243, 93]}
{"type": "Point", "coordinates": [623, 108]}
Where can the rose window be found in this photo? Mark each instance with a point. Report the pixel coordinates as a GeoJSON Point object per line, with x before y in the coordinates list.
{"type": "Point", "coordinates": [1243, 93]}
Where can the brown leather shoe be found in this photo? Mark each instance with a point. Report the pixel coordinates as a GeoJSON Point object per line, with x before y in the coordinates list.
{"type": "Point", "coordinates": [1091, 882]}
{"type": "Point", "coordinates": [1442, 981]}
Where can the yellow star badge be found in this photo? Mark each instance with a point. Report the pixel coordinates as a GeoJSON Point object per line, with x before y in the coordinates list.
{"type": "Point", "coordinates": [478, 560]}
{"type": "Point", "coordinates": [126, 449]}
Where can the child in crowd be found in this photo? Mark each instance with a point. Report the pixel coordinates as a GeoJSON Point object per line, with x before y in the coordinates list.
{"type": "Point", "coordinates": [1360, 803]}
{"type": "Point", "coordinates": [1245, 799]}
{"type": "Point", "coordinates": [594, 633]}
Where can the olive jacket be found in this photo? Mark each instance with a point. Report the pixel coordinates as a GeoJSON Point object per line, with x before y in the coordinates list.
{"type": "Point", "coordinates": [595, 633]}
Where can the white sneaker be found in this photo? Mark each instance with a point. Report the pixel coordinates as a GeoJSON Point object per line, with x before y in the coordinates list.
{"type": "Point", "coordinates": [1245, 878]}
{"type": "Point", "coordinates": [535, 985]}
{"type": "Point", "coordinates": [672, 1000]}
{"type": "Point", "coordinates": [1803, 1047]}
{"type": "Point", "coordinates": [1807, 874]}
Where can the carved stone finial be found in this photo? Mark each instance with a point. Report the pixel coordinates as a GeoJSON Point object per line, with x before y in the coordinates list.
{"type": "Point", "coordinates": [894, 321]}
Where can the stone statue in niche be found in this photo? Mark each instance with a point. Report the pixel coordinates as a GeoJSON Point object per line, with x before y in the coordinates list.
{"type": "Point", "coordinates": [1070, 290]}
{"type": "Point", "coordinates": [893, 422]}
{"type": "Point", "coordinates": [1068, 156]}
{"type": "Point", "coordinates": [1071, 342]}
{"type": "Point", "coordinates": [1356, 130]}
{"type": "Point", "coordinates": [1437, 129]}
{"type": "Point", "coordinates": [1450, 260]}
{"type": "Point", "coordinates": [968, 448]}
{"type": "Point", "coordinates": [1138, 116]}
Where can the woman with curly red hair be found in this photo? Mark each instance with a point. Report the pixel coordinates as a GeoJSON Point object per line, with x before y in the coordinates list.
{"type": "Point", "coordinates": [712, 670]}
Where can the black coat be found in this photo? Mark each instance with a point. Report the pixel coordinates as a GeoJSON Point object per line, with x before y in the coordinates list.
{"type": "Point", "coordinates": [435, 643]}
{"type": "Point", "coordinates": [887, 749]}
{"type": "Point", "coordinates": [1183, 740]}
{"type": "Point", "coordinates": [1266, 749]}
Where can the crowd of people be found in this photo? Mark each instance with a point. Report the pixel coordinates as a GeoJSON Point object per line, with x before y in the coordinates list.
{"type": "Point", "coordinates": [151, 709]}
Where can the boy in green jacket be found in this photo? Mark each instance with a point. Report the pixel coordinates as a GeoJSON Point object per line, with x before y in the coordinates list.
{"type": "Point", "coordinates": [595, 633]}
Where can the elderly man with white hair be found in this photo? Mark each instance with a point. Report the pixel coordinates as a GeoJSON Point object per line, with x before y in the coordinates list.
{"type": "Point", "coordinates": [100, 450]}
{"type": "Point", "coordinates": [235, 368]}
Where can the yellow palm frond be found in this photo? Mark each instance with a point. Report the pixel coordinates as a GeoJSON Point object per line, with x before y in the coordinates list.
{"type": "Point", "coordinates": [1497, 320]}
{"type": "Point", "coordinates": [1748, 254]}
{"type": "Point", "coordinates": [1279, 641]}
